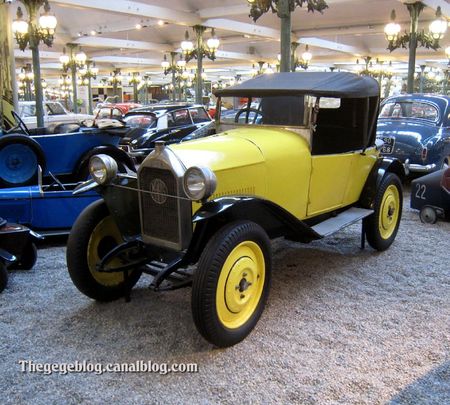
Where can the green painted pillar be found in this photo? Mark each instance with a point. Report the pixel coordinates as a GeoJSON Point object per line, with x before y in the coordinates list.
{"type": "Point", "coordinates": [284, 13]}
{"type": "Point", "coordinates": [90, 107]}
{"type": "Point", "coordinates": [199, 30]}
{"type": "Point", "coordinates": [414, 11]}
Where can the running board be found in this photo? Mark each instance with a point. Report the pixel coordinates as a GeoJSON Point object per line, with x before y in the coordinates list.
{"type": "Point", "coordinates": [340, 221]}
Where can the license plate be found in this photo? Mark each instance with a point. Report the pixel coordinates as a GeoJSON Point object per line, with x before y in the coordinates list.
{"type": "Point", "coordinates": [388, 146]}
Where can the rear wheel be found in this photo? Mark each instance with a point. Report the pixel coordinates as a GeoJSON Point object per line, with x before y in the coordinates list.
{"type": "Point", "coordinates": [3, 276]}
{"type": "Point", "coordinates": [20, 156]}
{"type": "Point", "coordinates": [382, 226]}
{"type": "Point", "coordinates": [94, 234]}
{"type": "Point", "coordinates": [231, 284]}
{"type": "Point", "coordinates": [428, 215]}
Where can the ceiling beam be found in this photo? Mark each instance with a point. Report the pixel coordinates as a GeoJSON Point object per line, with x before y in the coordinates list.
{"type": "Point", "coordinates": [243, 28]}
{"type": "Point", "coordinates": [134, 8]}
{"type": "Point", "coordinates": [224, 11]}
{"type": "Point", "coordinates": [101, 42]}
{"type": "Point", "coordinates": [42, 54]}
{"type": "Point", "coordinates": [124, 60]}
{"type": "Point", "coordinates": [334, 46]}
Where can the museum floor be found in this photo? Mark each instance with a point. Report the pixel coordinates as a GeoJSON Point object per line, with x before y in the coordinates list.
{"type": "Point", "coordinates": [343, 325]}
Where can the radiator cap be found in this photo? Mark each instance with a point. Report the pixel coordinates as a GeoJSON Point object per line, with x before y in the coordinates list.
{"type": "Point", "coordinates": [160, 146]}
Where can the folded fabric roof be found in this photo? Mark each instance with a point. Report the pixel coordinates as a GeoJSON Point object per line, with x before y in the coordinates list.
{"type": "Point", "coordinates": [324, 84]}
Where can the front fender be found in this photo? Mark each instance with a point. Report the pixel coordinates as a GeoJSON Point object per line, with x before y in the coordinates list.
{"type": "Point", "coordinates": [275, 220]}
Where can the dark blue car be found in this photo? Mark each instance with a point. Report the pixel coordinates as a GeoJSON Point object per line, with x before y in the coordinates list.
{"type": "Point", "coordinates": [416, 130]}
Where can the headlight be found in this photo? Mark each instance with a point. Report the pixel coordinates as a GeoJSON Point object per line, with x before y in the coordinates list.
{"type": "Point", "coordinates": [199, 183]}
{"type": "Point", "coordinates": [103, 168]}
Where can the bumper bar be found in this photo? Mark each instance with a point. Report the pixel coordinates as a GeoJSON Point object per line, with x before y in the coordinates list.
{"type": "Point", "coordinates": [416, 168]}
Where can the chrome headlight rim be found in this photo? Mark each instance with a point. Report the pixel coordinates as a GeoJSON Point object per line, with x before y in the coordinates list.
{"type": "Point", "coordinates": [103, 168]}
{"type": "Point", "coordinates": [196, 191]}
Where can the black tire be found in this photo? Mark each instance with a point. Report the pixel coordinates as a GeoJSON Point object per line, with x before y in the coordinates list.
{"type": "Point", "coordinates": [3, 276]}
{"type": "Point", "coordinates": [27, 259]}
{"type": "Point", "coordinates": [428, 215]}
{"type": "Point", "coordinates": [8, 140]}
{"type": "Point", "coordinates": [206, 292]}
{"type": "Point", "coordinates": [81, 249]}
{"type": "Point", "coordinates": [382, 226]}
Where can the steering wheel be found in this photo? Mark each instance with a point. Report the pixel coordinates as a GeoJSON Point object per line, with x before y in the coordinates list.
{"type": "Point", "coordinates": [20, 124]}
{"type": "Point", "coordinates": [248, 111]}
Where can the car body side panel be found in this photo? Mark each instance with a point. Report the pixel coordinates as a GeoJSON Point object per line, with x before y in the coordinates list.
{"type": "Point", "coordinates": [264, 162]}
{"type": "Point", "coordinates": [50, 210]}
{"type": "Point", "coordinates": [63, 151]}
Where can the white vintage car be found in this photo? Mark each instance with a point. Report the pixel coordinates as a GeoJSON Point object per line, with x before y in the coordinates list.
{"type": "Point", "coordinates": [54, 114]}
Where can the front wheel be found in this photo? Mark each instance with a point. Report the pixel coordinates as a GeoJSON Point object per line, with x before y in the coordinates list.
{"type": "Point", "coordinates": [231, 283]}
{"type": "Point", "coordinates": [94, 234]}
{"type": "Point", "coordinates": [382, 226]}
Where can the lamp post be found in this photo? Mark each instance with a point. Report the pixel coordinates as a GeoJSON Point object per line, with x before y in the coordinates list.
{"type": "Point", "coordinates": [146, 83]}
{"type": "Point", "coordinates": [284, 9]}
{"type": "Point", "coordinates": [115, 79]}
{"type": "Point", "coordinates": [174, 67]}
{"type": "Point", "coordinates": [199, 51]}
{"type": "Point", "coordinates": [25, 81]}
{"type": "Point", "coordinates": [31, 33]}
{"type": "Point", "coordinates": [72, 62]}
{"type": "Point", "coordinates": [89, 72]}
{"type": "Point", "coordinates": [134, 80]}
{"type": "Point", "coordinates": [414, 38]}
{"type": "Point", "coordinates": [64, 86]}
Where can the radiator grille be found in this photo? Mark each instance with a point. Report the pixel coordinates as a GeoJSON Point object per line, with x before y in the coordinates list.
{"type": "Point", "coordinates": [160, 217]}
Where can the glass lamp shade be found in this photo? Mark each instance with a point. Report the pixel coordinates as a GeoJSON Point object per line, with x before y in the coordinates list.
{"type": "Point", "coordinates": [64, 59]}
{"type": "Point", "coordinates": [48, 22]}
{"type": "Point", "coordinates": [213, 43]}
{"type": "Point", "coordinates": [82, 71]}
{"type": "Point", "coordinates": [307, 56]}
{"type": "Point", "coordinates": [187, 46]}
{"type": "Point", "coordinates": [181, 63]}
{"type": "Point", "coordinates": [80, 58]}
{"type": "Point", "coordinates": [185, 75]}
{"type": "Point", "coordinates": [20, 27]}
{"type": "Point", "coordinates": [438, 28]}
{"type": "Point", "coordinates": [30, 76]}
{"type": "Point", "coordinates": [94, 70]}
{"type": "Point", "coordinates": [22, 76]}
{"type": "Point", "coordinates": [67, 80]}
{"type": "Point", "coordinates": [204, 76]}
{"type": "Point", "coordinates": [165, 64]}
{"type": "Point", "coordinates": [392, 30]}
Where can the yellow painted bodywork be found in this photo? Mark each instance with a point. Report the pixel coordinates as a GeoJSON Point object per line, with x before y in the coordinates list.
{"type": "Point", "coordinates": [276, 164]}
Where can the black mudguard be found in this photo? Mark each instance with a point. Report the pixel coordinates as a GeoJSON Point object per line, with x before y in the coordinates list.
{"type": "Point", "coordinates": [275, 220]}
{"type": "Point", "coordinates": [379, 170]}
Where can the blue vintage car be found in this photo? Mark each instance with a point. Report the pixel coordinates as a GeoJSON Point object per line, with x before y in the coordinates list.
{"type": "Point", "coordinates": [416, 130]}
{"type": "Point", "coordinates": [63, 152]}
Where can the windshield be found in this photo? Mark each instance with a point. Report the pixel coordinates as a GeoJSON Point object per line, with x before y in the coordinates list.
{"type": "Point", "coordinates": [28, 110]}
{"type": "Point", "coordinates": [55, 109]}
{"type": "Point", "coordinates": [141, 121]}
{"type": "Point", "coordinates": [409, 109]}
{"type": "Point", "coordinates": [267, 110]}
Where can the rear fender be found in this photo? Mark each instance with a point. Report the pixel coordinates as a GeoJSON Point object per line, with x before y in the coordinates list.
{"type": "Point", "coordinates": [380, 169]}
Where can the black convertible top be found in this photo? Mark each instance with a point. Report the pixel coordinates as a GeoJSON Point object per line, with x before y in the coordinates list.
{"type": "Point", "coordinates": [326, 84]}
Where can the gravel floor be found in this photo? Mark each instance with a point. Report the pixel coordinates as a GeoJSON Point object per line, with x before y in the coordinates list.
{"type": "Point", "coordinates": [342, 326]}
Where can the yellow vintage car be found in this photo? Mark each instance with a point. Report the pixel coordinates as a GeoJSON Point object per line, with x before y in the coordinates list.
{"type": "Point", "coordinates": [295, 157]}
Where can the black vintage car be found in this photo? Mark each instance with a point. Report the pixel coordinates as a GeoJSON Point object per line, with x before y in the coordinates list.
{"type": "Point", "coordinates": [171, 123]}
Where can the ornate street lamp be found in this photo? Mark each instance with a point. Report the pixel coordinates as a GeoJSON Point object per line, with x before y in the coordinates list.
{"type": "Point", "coordinates": [304, 61]}
{"type": "Point", "coordinates": [146, 82]}
{"type": "Point", "coordinates": [175, 68]}
{"type": "Point", "coordinates": [134, 79]}
{"type": "Point", "coordinates": [87, 73]}
{"type": "Point", "coordinates": [31, 33]}
{"type": "Point", "coordinates": [284, 9]}
{"type": "Point", "coordinates": [73, 62]}
{"type": "Point", "coordinates": [26, 78]}
{"type": "Point", "coordinates": [115, 79]}
{"type": "Point", "coordinates": [414, 38]}
{"type": "Point", "coordinates": [199, 51]}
